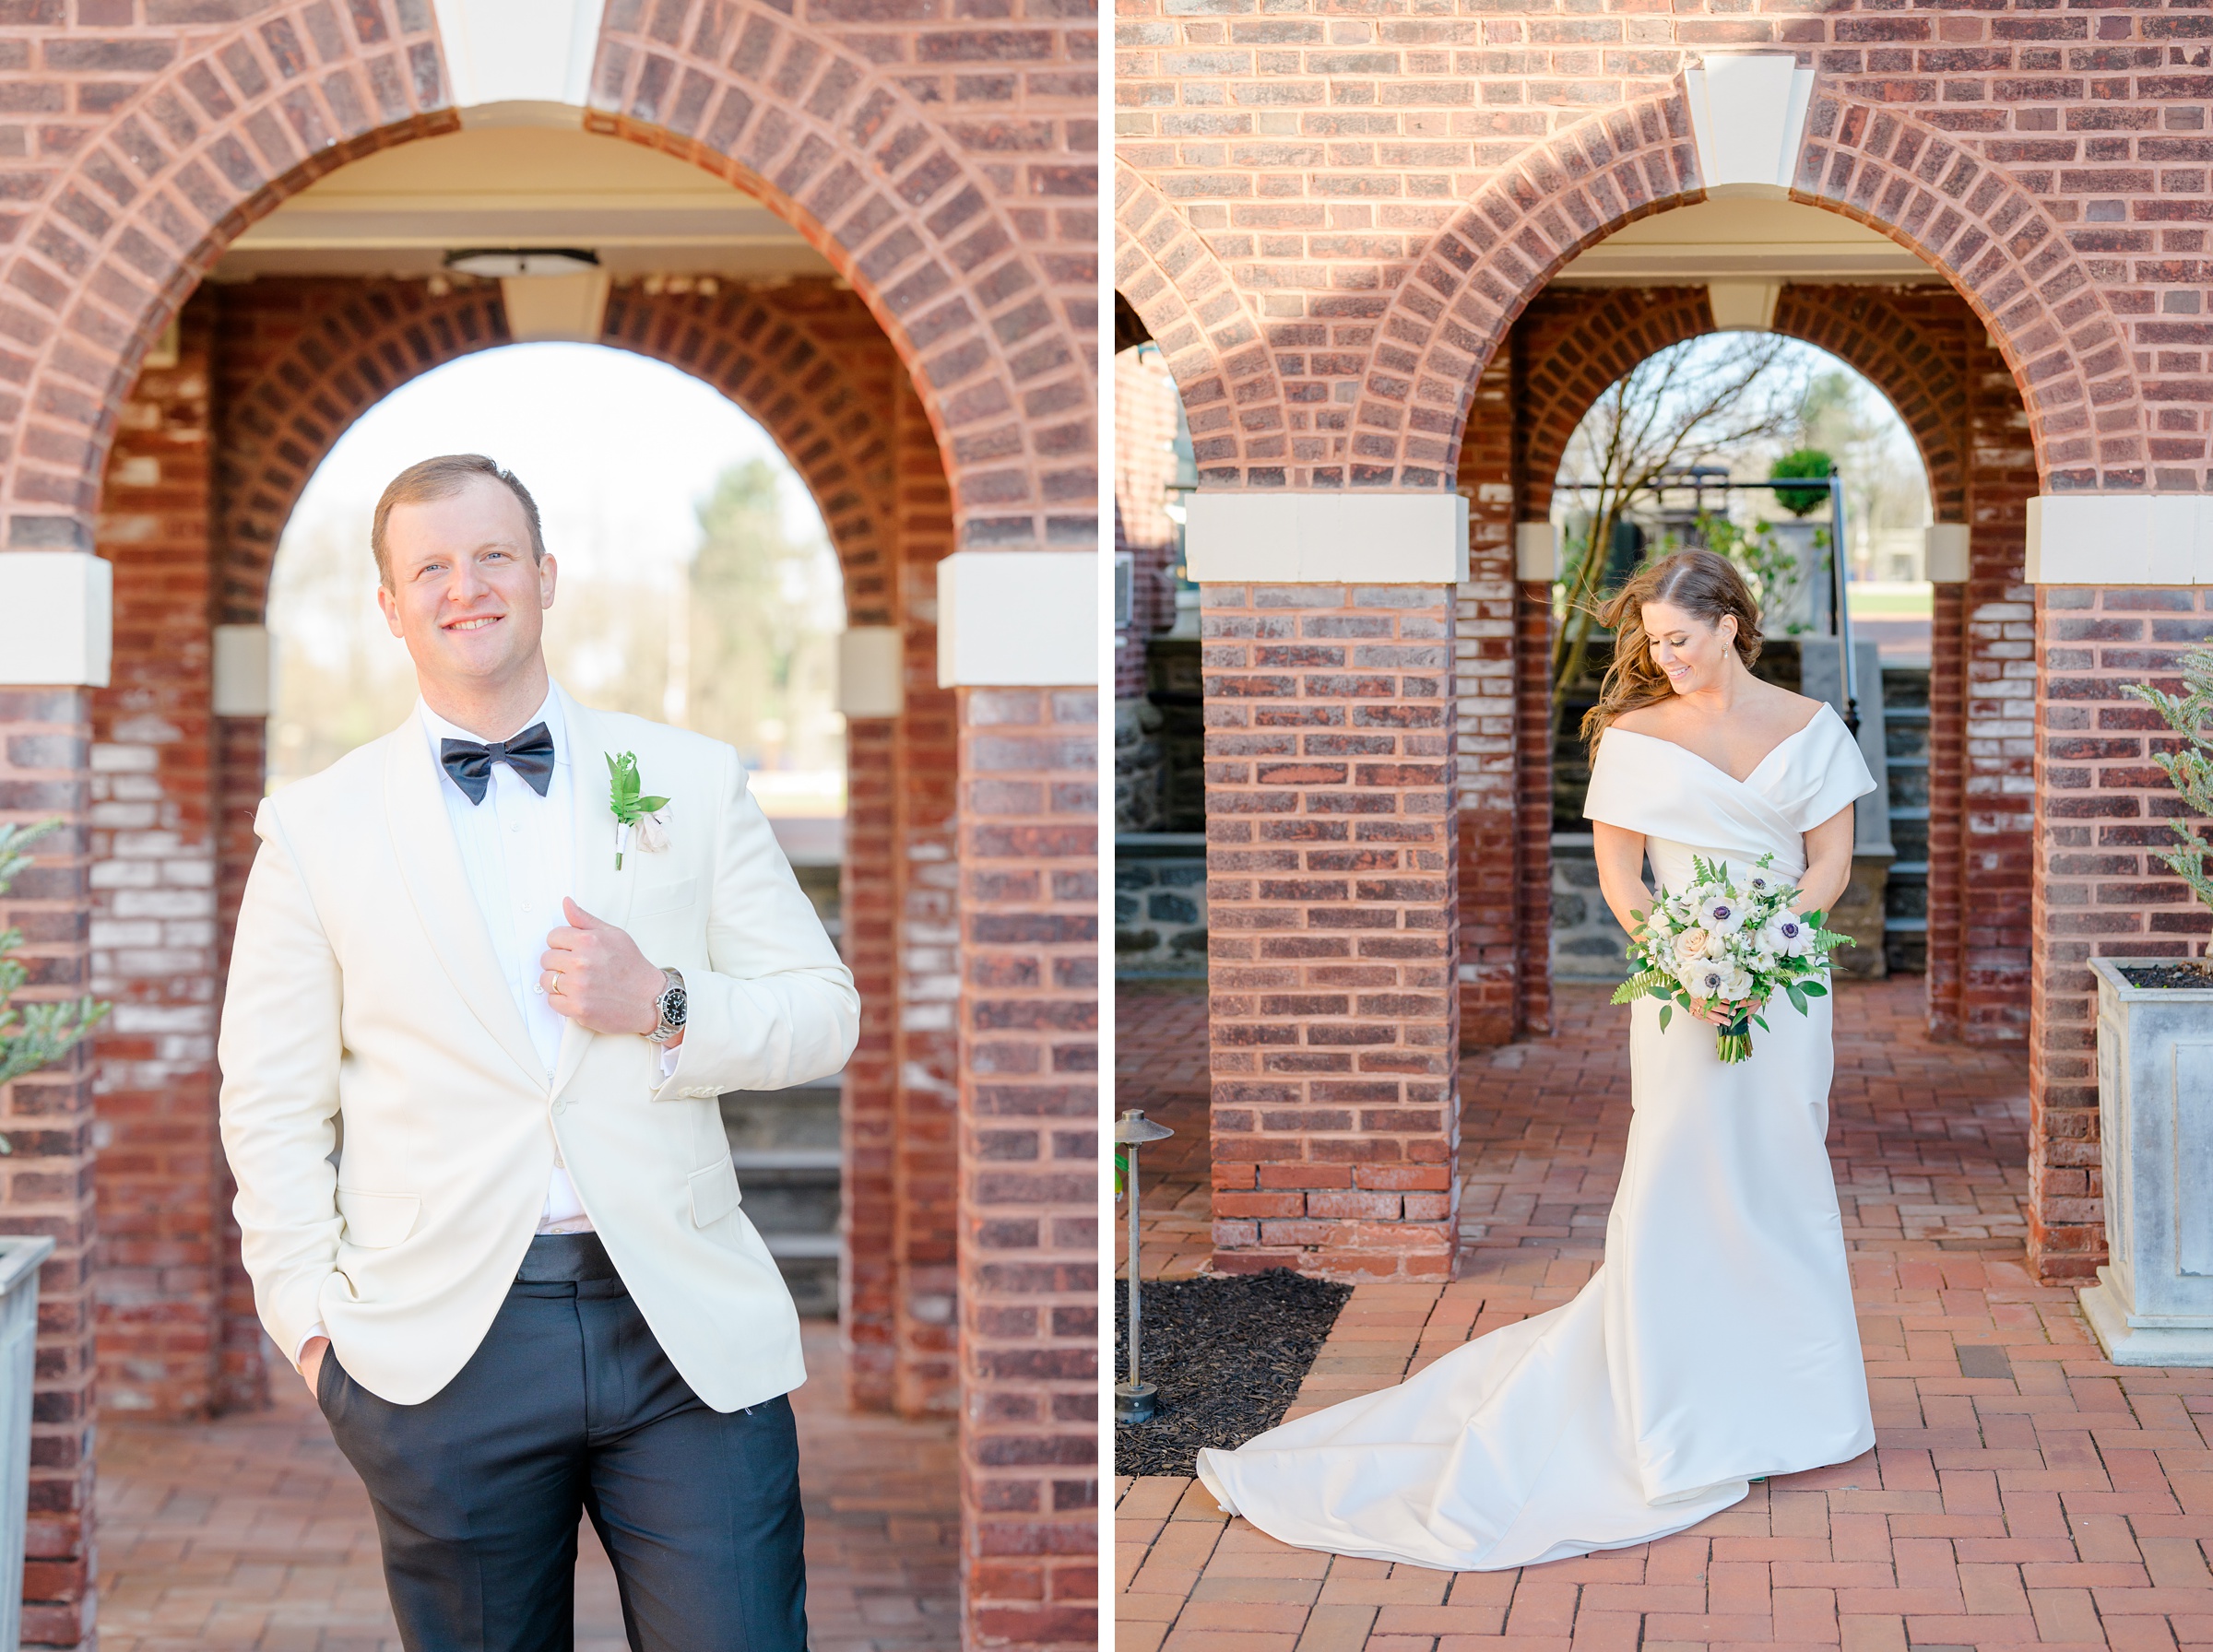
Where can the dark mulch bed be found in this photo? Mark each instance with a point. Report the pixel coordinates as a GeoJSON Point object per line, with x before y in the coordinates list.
{"type": "Point", "coordinates": [2196, 975]}
{"type": "Point", "coordinates": [1228, 1356]}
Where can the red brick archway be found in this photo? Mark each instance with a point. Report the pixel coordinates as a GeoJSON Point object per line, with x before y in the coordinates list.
{"type": "Point", "coordinates": [1421, 338]}
{"type": "Point", "coordinates": [218, 126]}
{"type": "Point", "coordinates": [944, 171]}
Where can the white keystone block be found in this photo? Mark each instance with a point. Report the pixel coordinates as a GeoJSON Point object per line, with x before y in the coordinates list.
{"type": "Point", "coordinates": [2120, 539]}
{"type": "Point", "coordinates": [244, 671]}
{"type": "Point", "coordinates": [519, 51]}
{"type": "Point", "coordinates": [1536, 551]}
{"type": "Point", "coordinates": [560, 308]}
{"type": "Point", "coordinates": [1945, 553]}
{"type": "Point", "coordinates": [1326, 538]}
{"type": "Point", "coordinates": [871, 662]}
{"type": "Point", "coordinates": [56, 618]}
{"type": "Point", "coordinates": [1747, 118]}
{"type": "Point", "coordinates": [1018, 618]}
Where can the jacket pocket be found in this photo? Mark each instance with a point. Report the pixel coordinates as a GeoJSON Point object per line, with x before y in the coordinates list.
{"type": "Point", "coordinates": [714, 1193]}
{"type": "Point", "coordinates": [375, 1221]}
{"type": "Point", "coordinates": [665, 897]}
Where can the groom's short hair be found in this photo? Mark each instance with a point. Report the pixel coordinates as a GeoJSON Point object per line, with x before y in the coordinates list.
{"type": "Point", "coordinates": [441, 479]}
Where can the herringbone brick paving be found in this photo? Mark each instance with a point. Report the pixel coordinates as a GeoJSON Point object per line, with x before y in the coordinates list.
{"type": "Point", "coordinates": [2022, 1492]}
{"type": "Point", "coordinates": [252, 1534]}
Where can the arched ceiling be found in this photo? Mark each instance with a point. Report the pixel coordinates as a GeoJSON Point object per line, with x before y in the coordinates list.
{"type": "Point", "coordinates": [399, 211]}
{"type": "Point", "coordinates": [1745, 237]}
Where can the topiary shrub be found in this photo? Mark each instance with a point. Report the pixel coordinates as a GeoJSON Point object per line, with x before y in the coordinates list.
{"type": "Point", "coordinates": [1805, 462]}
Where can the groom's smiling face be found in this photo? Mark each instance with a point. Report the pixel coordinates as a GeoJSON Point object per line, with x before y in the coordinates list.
{"type": "Point", "coordinates": [465, 593]}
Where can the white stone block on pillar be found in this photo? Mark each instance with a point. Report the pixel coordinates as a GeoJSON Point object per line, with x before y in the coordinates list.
{"type": "Point", "coordinates": [1536, 551]}
{"type": "Point", "coordinates": [1324, 538]}
{"type": "Point", "coordinates": [1018, 618]}
{"type": "Point", "coordinates": [872, 675]}
{"type": "Point", "coordinates": [245, 671]}
{"type": "Point", "coordinates": [1945, 553]}
{"type": "Point", "coordinates": [2120, 539]}
{"type": "Point", "coordinates": [56, 618]}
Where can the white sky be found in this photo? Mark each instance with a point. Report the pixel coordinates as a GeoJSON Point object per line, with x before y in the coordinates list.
{"type": "Point", "coordinates": [617, 448]}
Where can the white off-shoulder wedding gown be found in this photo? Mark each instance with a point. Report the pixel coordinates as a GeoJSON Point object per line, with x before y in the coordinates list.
{"type": "Point", "coordinates": [1715, 1344]}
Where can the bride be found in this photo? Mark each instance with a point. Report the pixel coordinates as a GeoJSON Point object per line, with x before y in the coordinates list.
{"type": "Point", "coordinates": [1716, 1343]}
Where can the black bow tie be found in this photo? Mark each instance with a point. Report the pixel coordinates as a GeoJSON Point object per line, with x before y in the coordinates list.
{"type": "Point", "coordinates": [529, 754]}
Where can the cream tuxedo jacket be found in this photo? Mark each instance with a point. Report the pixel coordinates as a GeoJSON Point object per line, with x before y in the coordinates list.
{"type": "Point", "coordinates": [391, 1127]}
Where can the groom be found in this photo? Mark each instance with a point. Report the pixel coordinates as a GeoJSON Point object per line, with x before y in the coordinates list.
{"type": "Point", "coordinates": [472, 1042]}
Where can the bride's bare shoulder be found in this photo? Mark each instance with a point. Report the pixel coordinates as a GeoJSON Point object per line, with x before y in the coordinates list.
{"type": "Point", "coordinates": [1650, 719]}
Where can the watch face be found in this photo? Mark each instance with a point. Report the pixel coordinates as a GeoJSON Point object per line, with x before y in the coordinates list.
{"type": "Point", "coordinates": [674, 1003]}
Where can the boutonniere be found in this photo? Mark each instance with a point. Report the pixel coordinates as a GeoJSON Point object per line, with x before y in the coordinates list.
{"type": "Point", "coordinates": [634, 813]}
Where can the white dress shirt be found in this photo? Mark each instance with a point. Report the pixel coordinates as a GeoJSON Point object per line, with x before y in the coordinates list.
{"type": "Point", "coordinates": [518, 854]}
{"type": "Point", "coordinates": [519, 857]}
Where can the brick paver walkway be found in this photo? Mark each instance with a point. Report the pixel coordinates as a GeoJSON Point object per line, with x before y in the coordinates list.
{"type": "Point", "coordinates": [2022, 1492]}
{"type": "Point", "coordinates": [253, 1532]}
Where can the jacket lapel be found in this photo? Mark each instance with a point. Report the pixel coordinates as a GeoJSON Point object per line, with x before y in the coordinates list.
{"type": "Point", "coordinates": [599, 888]}
{"type": "Point", "coordinates": [429, 865]}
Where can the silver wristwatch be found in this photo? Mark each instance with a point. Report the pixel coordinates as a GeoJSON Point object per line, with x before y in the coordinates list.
{"type": "Point", "coordinates": [673, 1006]}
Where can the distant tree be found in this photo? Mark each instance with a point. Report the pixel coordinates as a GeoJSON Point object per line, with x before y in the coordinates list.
{"type": "Point", "coordinates": [764, 622]}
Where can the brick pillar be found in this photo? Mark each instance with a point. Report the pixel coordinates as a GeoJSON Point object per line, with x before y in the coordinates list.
{"type": "Point", "coordinates": [1333, 903]}
{"type": "Point", "coordinates": [160, 1264]}
{"type": "Point", "coordinates": [925, 1367]}
{"type": "Point", "coordinates": [2102, 809]}
{"type": "Point", "coordinates": [45, 743]}
{"type": "Point", "coordinates": [1491, 895]}
{"type": "Point", "coordinates": [867, 895]}
{"type": "Point", "coordinates": [1029, 1163]}
{"type": "Point", "coordinates": [1997, 738]}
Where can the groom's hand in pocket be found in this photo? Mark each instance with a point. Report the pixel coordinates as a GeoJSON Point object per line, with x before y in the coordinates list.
{"type": "Point", "coordinates": [594, 973]}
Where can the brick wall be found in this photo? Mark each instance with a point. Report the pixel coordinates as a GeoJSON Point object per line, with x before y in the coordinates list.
{"type": "Point", "coordinates": [1372, 200]}
{"type": "Point", "coordinates": [154, 941]}
{"type": "Point", "coordinates": [1333, 909]}
{"type": "Point", "coordinates": [1029, 1158]}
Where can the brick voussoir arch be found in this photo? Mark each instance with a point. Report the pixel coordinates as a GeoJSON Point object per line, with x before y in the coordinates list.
{"type": "Point", "coordinates": [1961, 215]}
{"type": "Point", "coordinates": [765, 351]}
{"type": "Point", "coordinates": [846, 155]}
{"type": "Point", "coordinates": [1223, 370]}
{"type": "Point", "coordinates": [1479, 273]}
{"type": "Point", "coordinates": [2012, 266]}
{"type": "Point", "coordinates": [221, 126]}
{"type": "Point", "coordinates": [1918, 377]}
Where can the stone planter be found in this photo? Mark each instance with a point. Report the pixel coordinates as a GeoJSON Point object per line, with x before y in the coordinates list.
{"type": "Point", "coordinates": [20, 1257]}
{"type": "Point", "coordinates": [2153, 1300]}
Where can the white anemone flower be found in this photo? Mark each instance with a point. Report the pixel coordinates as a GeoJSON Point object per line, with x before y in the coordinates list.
{"type": "Point", "coordinates": [1787, 934]}
{"type": "Point", "coordinates": [1722, 912]}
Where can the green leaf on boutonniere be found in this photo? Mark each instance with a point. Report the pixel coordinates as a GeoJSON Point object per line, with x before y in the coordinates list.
{"type": "Point", "coordinates": [623, 798]}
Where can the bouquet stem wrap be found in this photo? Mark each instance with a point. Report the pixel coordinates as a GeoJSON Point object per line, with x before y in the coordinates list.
{"type": "Point", "coordinates": [1730, 942]}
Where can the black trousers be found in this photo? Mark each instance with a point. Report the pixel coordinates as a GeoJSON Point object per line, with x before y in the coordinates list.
{"type": "Point", "coordinates": [569, 1407]}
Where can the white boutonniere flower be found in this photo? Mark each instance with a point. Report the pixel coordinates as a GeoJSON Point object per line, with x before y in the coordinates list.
{"type": "Point", "coordinates": [635, 813]}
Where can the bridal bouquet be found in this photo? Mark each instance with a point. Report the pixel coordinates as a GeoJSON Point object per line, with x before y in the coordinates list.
{"type": "Point", "coordinates": [1730, 947]}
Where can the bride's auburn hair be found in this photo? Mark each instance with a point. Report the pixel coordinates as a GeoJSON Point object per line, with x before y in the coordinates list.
{"type": "Point", "coordinates": [1702, 584]}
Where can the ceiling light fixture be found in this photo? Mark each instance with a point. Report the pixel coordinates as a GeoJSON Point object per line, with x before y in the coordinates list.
{"type": "Point", "coordinates": [523, 261]}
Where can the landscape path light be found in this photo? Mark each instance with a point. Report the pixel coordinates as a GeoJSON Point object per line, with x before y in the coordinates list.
{"type": "Point", "coordinates": [1136, 1399]}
